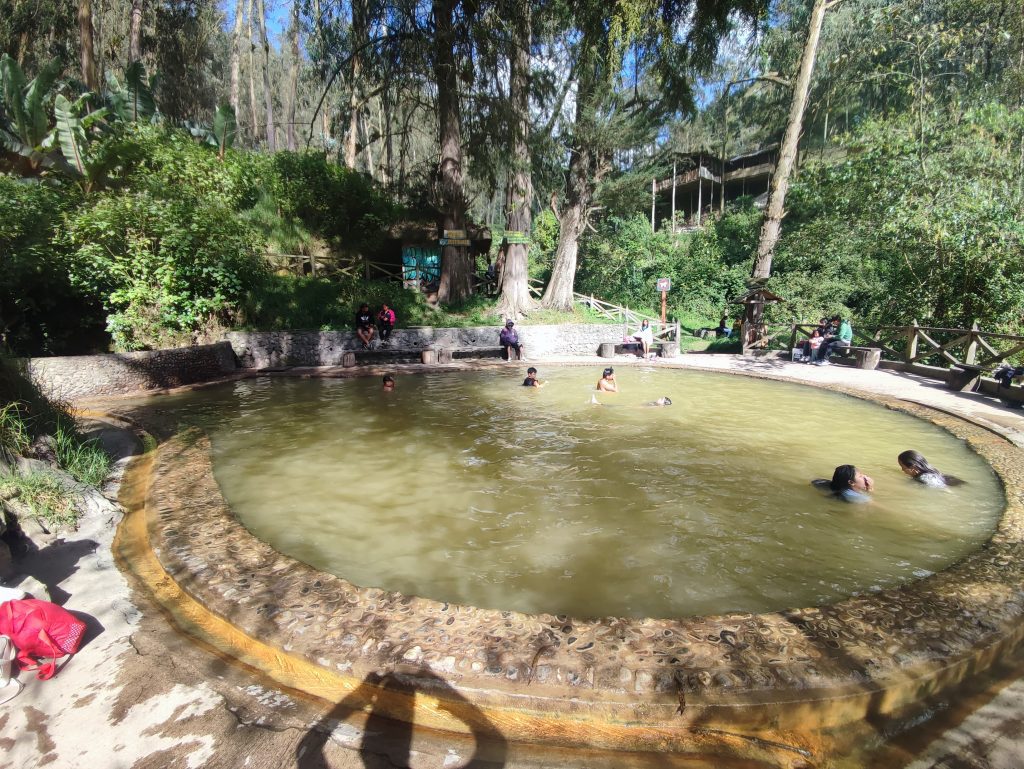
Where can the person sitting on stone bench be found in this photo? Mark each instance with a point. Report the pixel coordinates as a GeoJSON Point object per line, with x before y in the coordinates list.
{"type": "Point", "coordinates": [644, 338]}
{"type": "Point", "coordinates": [385, 324]}
{"type": "Point", "coordinates": [508, 338]}
{"type": "Point", "coordinates": [844, 338]}
{"type": "Point", "coordinates": [364, 325]}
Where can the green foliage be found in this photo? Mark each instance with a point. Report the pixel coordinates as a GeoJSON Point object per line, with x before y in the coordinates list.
{"type": "Point", "coordinates": [622, 262]}
{"type": "Point", "coordinates": [160, 265]}
{"type": "Point", "coordinates": [24, 120]}
{"type": "Point", "coordinates": [905, 228]}
{"type": "Point", "coordinates": [333, 201]}
{"type": "Point", "coordinates": [27, 415]}
{"type": "Point", "coordinates": [44, 496]}
{"type": "Point", "coordinates": [543, 245]}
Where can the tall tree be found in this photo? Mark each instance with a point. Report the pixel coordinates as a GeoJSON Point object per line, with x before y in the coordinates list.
{"type": "Point", "coordinates": [515, 289]}
{"type": "Point", "coordinates": [293, 78]}
{"type": "Point", "coordinates": [608, 108]}
{"type": "Point", "coordinates": [135, 31]}
{"type": "Point", "coordinates": [236, 58]}
{"type": "Point", "coordinates": [268, 94]}
{"type": "Point", "coordinates": [772, 226]}
{"type": "Point", "coordinates": [253, 108]}
{"type": "Point", "coordinates": [358, 35]}
{"type": "Point", "coordinates": [85, 38]}
{"type": "Point", "coordinates": [456, 264]}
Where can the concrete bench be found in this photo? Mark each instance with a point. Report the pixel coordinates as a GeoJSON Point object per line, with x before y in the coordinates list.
{"type": "Point", "coordinates": [416, 355]}
{"type": "Point", "coordinates": [964, 377]}
{"type": "Point", "coordinates": [866, 358]}
{"type": "Point", "coordinates": [661, 349]}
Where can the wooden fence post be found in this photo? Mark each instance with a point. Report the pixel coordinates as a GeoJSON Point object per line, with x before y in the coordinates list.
{"type": "Point", "coordinates": [972, 347]}
{"type": "Point", "coordinates": [911, 341]}
{"type": "Point", "coordinates": [792, 338]}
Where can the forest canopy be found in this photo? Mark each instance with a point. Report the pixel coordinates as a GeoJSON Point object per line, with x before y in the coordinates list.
{"type": "Point", "coordinates": [152, 157]}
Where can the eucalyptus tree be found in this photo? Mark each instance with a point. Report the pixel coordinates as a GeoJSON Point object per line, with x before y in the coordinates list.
{"type": "Point", "coordinates": [668, 43]}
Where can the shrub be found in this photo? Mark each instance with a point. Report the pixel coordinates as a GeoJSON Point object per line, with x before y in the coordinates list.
{"type": "Point", "coordinates": [161, 266]}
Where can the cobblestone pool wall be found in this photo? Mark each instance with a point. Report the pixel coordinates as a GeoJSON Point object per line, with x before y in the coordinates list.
{"type": "Point", "coordinates": [275, 349]}
{"type": "Point", "coordinates": [85, 376]}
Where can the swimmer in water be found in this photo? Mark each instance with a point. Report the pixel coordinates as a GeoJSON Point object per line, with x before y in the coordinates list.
{"type": "Point", "coordinates": [849, 484]}
{"type": "Point", "coordinates": [664, 400]}
{"type": "Point", "coordinates": [607, 383]}
{"type": "Point", "coordinates": [916, 466]}
{"type": "Point", "coordinates": [531, 379]}
{"type": "Point", "coordinates": [388, 383]}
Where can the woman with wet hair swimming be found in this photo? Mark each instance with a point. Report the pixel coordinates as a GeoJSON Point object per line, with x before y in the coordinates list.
{"type": "Point", "coordinates": [916, 466]}
{"type": "Point", "coordinates": [849, 484]}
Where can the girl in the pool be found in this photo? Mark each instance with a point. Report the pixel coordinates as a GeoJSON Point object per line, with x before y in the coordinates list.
{"type": "Point", "coordinates": [849, 484]}
{"type": "Point", "coordinates": [917, 467]}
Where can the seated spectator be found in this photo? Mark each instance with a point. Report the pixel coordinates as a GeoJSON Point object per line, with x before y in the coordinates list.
{"type": "Point", "coordinates": [531, 378]}
{"type": "Point", "coordinates": [385, 324]}
{"type": "Point", "coordinates": [645, 337]}
{"type": "Point", "coordinates": [508, 338]}
{"type": "Point", "coordinates": [844, 338]}
{"type": "Point", "coordinates": [723, 328]}
{"type": "Point", "coordinates": [811, 345]}
{"type": "Point", "coordinates": [364, 325]}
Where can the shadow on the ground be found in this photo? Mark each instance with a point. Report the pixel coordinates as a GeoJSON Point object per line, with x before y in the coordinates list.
{"type": "Point", "coordinates": [386, 741]}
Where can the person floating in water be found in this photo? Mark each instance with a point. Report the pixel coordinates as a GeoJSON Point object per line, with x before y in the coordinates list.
{"type": "Point", "coordinates": [531, 378]}
{"type": "Point", "coordinates": [388, 383]}
{"type": "Point", "coordinates": [849, 484]}
{"type": "Point", "coordinates": [607, 383]}
{"type": "Point", "coordinates": [664, 400]}
{"type": "Point", "coordinates": [917, 467]}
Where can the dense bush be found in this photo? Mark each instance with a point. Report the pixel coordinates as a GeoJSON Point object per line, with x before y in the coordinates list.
{"type": "Point", "coordinates": [161, 267]}
{"type": "Point", "coordinates": [927, 226]}
{"type": "Point", "coordinates": [40, 311]}
{"type": "Point", "coordinates": [624, 259]}
{"type": "Point", "coordinates": [282, 302]}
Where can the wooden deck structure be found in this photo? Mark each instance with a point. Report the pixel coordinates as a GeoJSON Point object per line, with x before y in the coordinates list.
{"type": "Point", "coordinates": [702, 183]}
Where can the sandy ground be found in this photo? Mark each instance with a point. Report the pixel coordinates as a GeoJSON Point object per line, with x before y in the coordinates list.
{"type": "Point", "coordinates": [139, 695]}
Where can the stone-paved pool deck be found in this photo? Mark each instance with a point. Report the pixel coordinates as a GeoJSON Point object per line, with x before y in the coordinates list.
{"type": "Point", "coordinates": [127, 702]}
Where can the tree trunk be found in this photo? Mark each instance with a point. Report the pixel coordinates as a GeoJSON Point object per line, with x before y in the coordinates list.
{"type": "Point", "coordinates": [456, 265]}
{"type": "Point", "coordinates": [515, 288]}
{"type": "Point", "coordinates": [135, 31]}
{"type": "Point", "coordinates": [293, 79]}
{"type": "Point", "coordinates": [85, 34]}
{"type": "Point", "coordinates": [268, 95]}
{"type": "Point", "coordinates": [772, 226]}
{"type": "Point", "coordinates": [236, 58]}
{"type": "Point", "coordinates": [253, 108]}
{"type": "Point", "coordinates": [358, 31]}
{"type": "Point", "coordinates": [583, 178]}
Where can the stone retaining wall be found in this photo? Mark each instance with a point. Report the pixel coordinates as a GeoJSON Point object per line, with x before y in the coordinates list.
{"type": "Point", "coordinates": [85, 376]}
{"type": "Point", "coordinates": [277, 349]}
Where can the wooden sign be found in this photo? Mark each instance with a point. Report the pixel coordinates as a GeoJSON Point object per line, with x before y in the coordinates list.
{"type": "Point", "coordinates": [517, 237]}
{"type": "Point", "coordinates": [454, 234]}
{"type": "Point", "coordinates": [454, 241]}
{"type": "Point", "coordinates": [664, 284]}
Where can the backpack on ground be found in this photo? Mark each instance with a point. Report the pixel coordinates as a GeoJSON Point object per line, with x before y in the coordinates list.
{"type": "Point", "coordinates": [42, 632]}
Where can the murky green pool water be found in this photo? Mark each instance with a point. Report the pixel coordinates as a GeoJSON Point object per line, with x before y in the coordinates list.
{"type": "Point", "coordinates": [473, 489]}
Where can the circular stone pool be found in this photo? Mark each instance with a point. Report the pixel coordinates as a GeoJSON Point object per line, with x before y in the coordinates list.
{"type": "Point", "coordinates": [472, 489]}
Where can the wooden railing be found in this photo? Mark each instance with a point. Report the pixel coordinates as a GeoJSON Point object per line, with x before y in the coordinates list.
{"type": "Point", "coordinates": [354, 267]}
{"type": "Point", "coordinates": [919, 345]}
{"type": "Point", "coordinates": [630, 319]}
